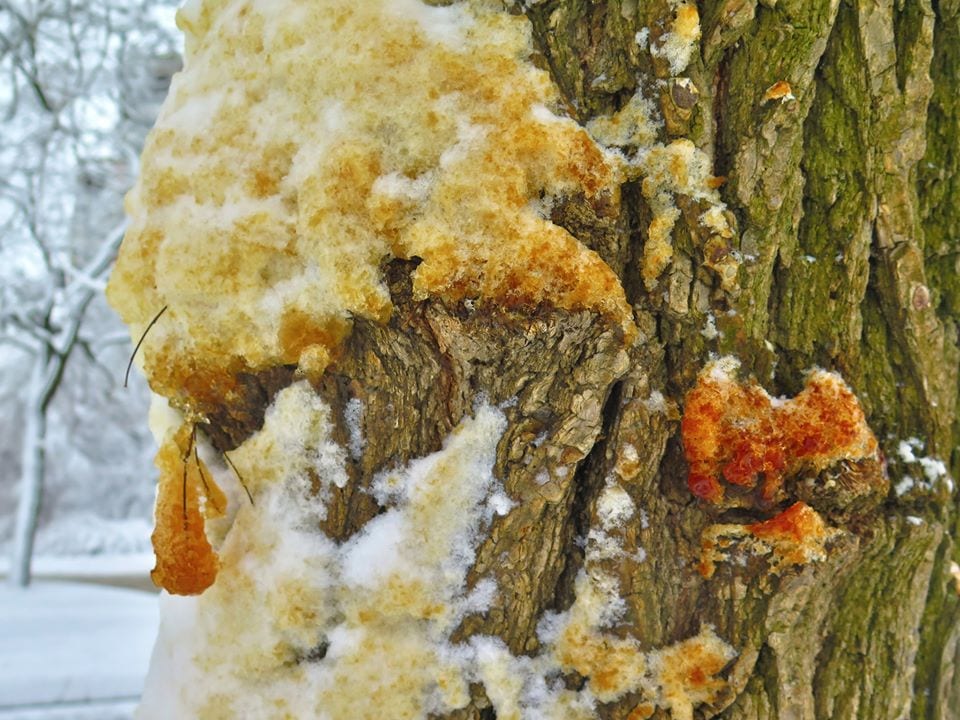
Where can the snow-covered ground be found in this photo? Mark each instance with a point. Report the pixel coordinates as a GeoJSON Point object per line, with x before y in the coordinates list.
{"type": "Point", "coordinates": [128, 570]}
{"type": "Point", "coordinates": [73, 651]}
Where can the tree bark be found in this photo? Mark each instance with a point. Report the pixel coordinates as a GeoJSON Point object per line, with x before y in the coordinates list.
{"type": "Point", "coordinates": [842, 198]}
{"type": "Point", "coordinates": [843, 189]}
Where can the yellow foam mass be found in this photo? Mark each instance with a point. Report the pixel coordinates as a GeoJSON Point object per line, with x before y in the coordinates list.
{"type": "Point", "coordinates": [306, 142]}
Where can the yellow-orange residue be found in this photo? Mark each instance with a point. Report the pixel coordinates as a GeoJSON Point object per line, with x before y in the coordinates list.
{"type": "Point", "coordinates": [795, 536]}
{"type": "Point", "coordinates": [687, 673]}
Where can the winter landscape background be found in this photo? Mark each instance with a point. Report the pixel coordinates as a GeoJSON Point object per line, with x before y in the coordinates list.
{"type": "Point", "coordinates": [81, 82]}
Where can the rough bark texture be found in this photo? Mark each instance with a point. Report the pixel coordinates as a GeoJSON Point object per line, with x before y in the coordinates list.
{"type": "Point", "coordinates": [847, 202]}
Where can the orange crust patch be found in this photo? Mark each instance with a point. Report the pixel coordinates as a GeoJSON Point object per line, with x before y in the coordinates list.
{"type": "Point", "coordinates": [780, 90]}
{"type": "Point", "coordinates": [736, 432]}
{"type": "Point", "coordinates": [796, 524]}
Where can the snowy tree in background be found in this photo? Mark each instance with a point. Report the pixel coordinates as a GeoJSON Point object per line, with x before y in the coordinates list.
{"type": "Point", "coordinates": [81, 84]}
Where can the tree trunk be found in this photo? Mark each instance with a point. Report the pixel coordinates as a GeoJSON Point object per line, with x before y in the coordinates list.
{"type": "Point", "coordinates": [33, 462]}
{"type": "Point", "coordinates": [835, 126]}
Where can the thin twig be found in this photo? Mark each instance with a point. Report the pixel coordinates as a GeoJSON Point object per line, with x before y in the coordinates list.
{"type": "Point", "coordinates": [239, 477]}
{"type": "Point", "coordinates": [184, 460]}
{"type": "Point", "coordinates": [203, 479]}
{"type": "Point", "coordinates": [126, 375]}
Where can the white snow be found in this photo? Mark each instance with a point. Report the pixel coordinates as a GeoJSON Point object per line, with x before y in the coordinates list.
{"type": "Point", "coordinates": [904, 486]}
{"type": "Point", "coordinates": [353, 416]}
{"type": "Point", "coordinates": [905, 450]}
{"type": "Point", "coordinates": [501, 504]}
{"type": "Point", "coordinates": [376, 552]}
{"type": "Point", "coordinates": [709, 330]}
{"type": "Point", "coordinates": [129, 570]}
{"type": "Point", "coordinates": [73, 643]}
{"type": "Point", "coordinates": [934, 469]}
{"type": "Point", "coordinates": [656, 403]}
{"type": "Point", "coordinates": [447, 25]}
{"type": "Point", "coordinates": [83, 534]}
{"type": "Point", "coordinates": [723, 369]}
{"type": "Point", "coordinates": [399, 186]}
{"type": "Point", "coordinates": [644, 519]}
{"type": "Point", "coordinates": [107, 710]}
{"type": "Point", "coordinates": [614, 506]}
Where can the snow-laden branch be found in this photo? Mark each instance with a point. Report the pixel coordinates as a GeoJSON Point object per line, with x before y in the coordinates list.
{"type": "Point", "coordinates": [32, 327]}
{"type": "Point", "coordinates": [91, 278]}
{"type": "Point", "coordinates": [26, 343]}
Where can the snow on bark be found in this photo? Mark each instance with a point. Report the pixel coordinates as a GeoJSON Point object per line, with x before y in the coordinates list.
{"type": "Point", "coordinates": [305, 143]}
{"type": "Point", "coordinates": [299, 625]}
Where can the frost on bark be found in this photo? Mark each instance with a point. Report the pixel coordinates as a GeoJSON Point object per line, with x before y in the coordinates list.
{"type": "Point", "coordinates": [443, 285]}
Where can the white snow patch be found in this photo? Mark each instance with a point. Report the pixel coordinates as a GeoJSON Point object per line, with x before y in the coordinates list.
{"type": "Point", "coordinates": [85, 534]}
{"type": "Point", "coordinates": [724, 369]}
{"type": "Point", "coordinates": [500, 503]}
{"type": "Point", "coordinates": [934, 469]}
{"type": "Point", "coordinates": [904, 486]}
{"type": "Point", "coordinates": [644, 519]}
{"type": "Point", "coordinates": [119, 570]}
{"type": "Point", "coordinates": [353, 416]}
{"type": "Point", "coordinates": [642, 38]}
{"type": "Point", "coordinates": [614, 506]}
{"type": "Point", "coordinates": [446, 24]}
{"type": "Point", "coordinates": [709, 330]}
{"type": "Point", "coordinates": [656, 403]}
{"type": "Point", "coordinates": [398, 186]}
{"type": "Point", "coordinates": [375, 552]}
{"type": "Point", "coordinates": [905, 450]}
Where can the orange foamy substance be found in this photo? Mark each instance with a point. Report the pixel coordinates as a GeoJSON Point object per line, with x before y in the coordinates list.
{"type": "Point", "coordinates": [735, 432]}
{"type": "Point", "coordinates": [186, 562]}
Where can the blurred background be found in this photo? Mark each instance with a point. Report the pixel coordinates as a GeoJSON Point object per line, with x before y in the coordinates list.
{"type": "Point", "coordinates": [81, 82]}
